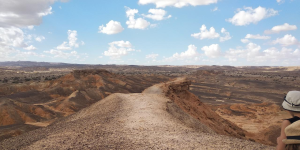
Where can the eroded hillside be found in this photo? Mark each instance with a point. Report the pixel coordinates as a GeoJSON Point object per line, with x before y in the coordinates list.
{"type": "Point", "coordinates": [251, 99]}
{"type": "Point", "coordinates": [191, 104]}
{"type": "Point", "coordinates": [30, 105]}
{"type": "Point", "coordinates": [247, 98]}
{"type": "Point", "coordinates": [147, 120]}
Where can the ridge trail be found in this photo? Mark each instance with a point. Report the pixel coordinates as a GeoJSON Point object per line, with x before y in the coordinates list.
{"type": "Point", "coordinates": [128, 121]}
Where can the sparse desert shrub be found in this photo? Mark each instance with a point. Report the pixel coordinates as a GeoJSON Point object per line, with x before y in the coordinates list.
{"type": "Point", "coordinates": [4, 81]}
{"type": "Point", "coordinates": [48, 78]}
{"type": "Point", "coordinates": [15, 81]}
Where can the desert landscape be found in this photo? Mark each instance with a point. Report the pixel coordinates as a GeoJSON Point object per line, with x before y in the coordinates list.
{"type": "Point", "coordinates": [39, 102]}
{"type": "Point", "coordinates": [148, 74]}
{"type": "Point", "coordinates": [249, 97]}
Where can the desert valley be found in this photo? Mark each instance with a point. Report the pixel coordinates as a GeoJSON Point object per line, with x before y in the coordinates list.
{"type": "Point", "coordinates": [149, 74]}
{"type": "Point", "coordinates": [125, 107]}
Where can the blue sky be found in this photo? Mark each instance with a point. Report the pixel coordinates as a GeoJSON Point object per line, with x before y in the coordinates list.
{"type": "Point", "coordinates": [152, 32]}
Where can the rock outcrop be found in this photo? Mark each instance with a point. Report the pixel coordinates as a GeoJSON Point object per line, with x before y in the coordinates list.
{"type": "Point", "coordinates": [178, 92]}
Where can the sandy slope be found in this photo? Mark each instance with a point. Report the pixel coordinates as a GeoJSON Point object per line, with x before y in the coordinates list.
{"type": "Point", "coordinates": [128, 121]}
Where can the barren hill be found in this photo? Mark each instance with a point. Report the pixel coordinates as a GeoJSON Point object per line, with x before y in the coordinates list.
{"type": "Point", "coordinates": [153, 119]}
{"type": "Point", "coordinates": [27, 106]}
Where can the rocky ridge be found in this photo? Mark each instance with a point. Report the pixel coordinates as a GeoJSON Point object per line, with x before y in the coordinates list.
{"type": "Point", "coordinates": [191, 104]}
{"type": "Point", "coordinates": [148, 120]}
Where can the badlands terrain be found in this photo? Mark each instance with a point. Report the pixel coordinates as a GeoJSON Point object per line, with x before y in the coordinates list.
{"type": "Point", "coordinates": [250, 98]}
{"type": "Point", "coordinates": [62, 106]}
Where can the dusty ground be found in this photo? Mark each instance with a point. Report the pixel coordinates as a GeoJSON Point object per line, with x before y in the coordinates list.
{"type": "Point", "coordinates": [128, 121]}
{"type": "Point", "coordinates": [261, 116]}
{"type": "Point", "coordinates": [261, 121]}
{"type": "Point", "coordinates": [251, 99]}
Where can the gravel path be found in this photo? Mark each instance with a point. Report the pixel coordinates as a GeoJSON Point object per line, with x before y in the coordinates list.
{"type": "Point", "coordinates": [126, 121]}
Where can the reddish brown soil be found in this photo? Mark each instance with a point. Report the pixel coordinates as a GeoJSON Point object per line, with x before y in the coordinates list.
{"type": "Point", "coordinates": [249, 98]}
{"type": "Point", "coordinates": [37, 103]}
{"type": "Point", "coordinates": [192, 105]}
{"type": "Point", "coordinates": [255, 122]}
{"type": "Point", "coordinates": [147, 120]}
{"type": "Point", "coordinates": [239, 104]}
{"type": "Point", "coordinates": [262, 121]}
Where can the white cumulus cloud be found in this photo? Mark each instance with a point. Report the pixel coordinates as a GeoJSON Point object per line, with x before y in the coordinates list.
{"type": "Point", "coordinates": [112, 27]}
{"type": "Point", "coordinates": [190, 54]}
{"type": "Point", "coordinates": [46, 12]}
{"type": "Point", "coordinates": [64, 46]}
{"type": "Point", "coordinates": [40, 38]}
{"type": "Point", "coordinates": [284, 55]}
{"type": "Point", "coordinates": [280, 1]}
{"type": "Point", "coordinates": [271, 55]}
{"type": "Point", "coordinates": [30, 27]}
{"type": "Point", "coordinates": [249, 15]}
{"type": "Point", "coordinates": [31, 47]}
{"type": "Point", "coordinates": [211, 34]}
{"type": "Point", "coordinates": [152, 56]}
{"type": "Point", "coordinates": [280, 28]}
{"type": "Point", "coordinates": [250, 53]}
{"type": "Point", "coordinates": [206, 34]}
{"type": "Point", "coordinates": [59, 51]}
{"type": "Point", "coordinates": [287, 40]}
{"type": "Point", "coordinates": [118, 49]}
{"type": "Point", "coordinates": [215, 9]}
{"type": "Point", "coordinates": [226, 37]}
{"type": "Point", "coordinates": [153, 25]}
{"type": "Point", "coordinates": [257, 36]}
{"type": "Point", "coordinates": [245, 41]}
{"type": "Point", "coordinates": [61, 54]}
{"type": "Point", "coordinates": [157, 14]}
{"type": "Point", "coordinates": [12, 37]}
{"type": "Point", "coordinates": [177, 3]}
{"type": "Point", "coordinates": [72, 37]}
{"type": "Point", "coordinates": [23, 13]}
{"type": "Point", "coordinates": [5, 53]}
{"type": "Point", "coordinates": [212, 51]}
{"type": "Point", "coordinates": [133, 23]}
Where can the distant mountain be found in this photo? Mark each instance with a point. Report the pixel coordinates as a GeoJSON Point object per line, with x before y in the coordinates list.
{"type": "Point", "coordinates": [33, 64]}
